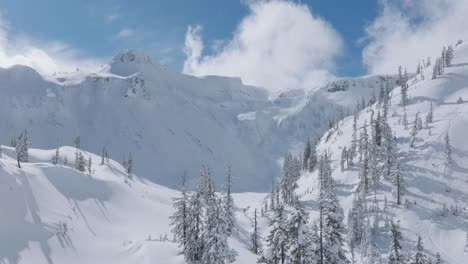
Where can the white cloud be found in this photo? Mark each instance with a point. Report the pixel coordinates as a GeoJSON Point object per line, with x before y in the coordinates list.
{"type": "Point", "coordinates": [45, 57]}
{"type": "Point", "coordinates": [112, 17]}
{"type": "Point", "coordinates": [278, 45]}
{"type": "Point", "coordinates": [407, 31]}
{"type": "Point", "coordinates": [125, 33]}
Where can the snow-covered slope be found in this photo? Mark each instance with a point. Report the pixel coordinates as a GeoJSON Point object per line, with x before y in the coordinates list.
{"type": "Point", "coordinates": [169, 121]}
{"type": "Point", "coordinates": [56, 214]}
{"type": "Point", "coordinates": [430, 182]}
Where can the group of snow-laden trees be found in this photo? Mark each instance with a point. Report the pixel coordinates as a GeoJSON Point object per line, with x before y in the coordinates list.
{"type": "Point", "coordinates": [292, 238]}
{"type": "Point", "coordinates": [204, 220]}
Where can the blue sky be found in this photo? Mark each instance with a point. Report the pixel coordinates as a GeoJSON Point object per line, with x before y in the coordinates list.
{"type": "Point", "coordinates": [266, 42]}
{"type": "Point", "coordinates": [159, 26]}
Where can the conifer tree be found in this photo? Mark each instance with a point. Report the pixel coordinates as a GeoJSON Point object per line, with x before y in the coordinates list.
{"type": "Point", "coordinates": [419, 257]}
{"type": "Point", "coordinates": [180, 220]}
{"type": "Point", "coordinates": [130, 166]}
{"type": "Point", "coordinates": [449, 56]}
{"type": "Point", "coordinates": [298, 234]}
{"type": "Point", "coordinates": [414, 131]}
{"type": "Point", "coordinates": [312, 157]}
{"type": "Point", "coordinates": [277, 239]}
{"type": "Point", "coordinates": [56, 157]}
{"type": "Point", "coordinates": [369, 252]}
{"type": "Point", "coordinates": [404, 94]}
{"type": "Point", "coordinates": [228, 202]}
{"type": "Point", "coordinates": [398, 183]}
{"type": "Point", "coordinates": [395, 255]}
{"type": "Point", "coordinates": [448, 150]}
{"type": "Point", "coordinates": [103, 155]}
{"type": "Point", "coordinates": [81, 162]}
{"type": "Point", "coordinates": [89, 164]}
{"type": "Point", "coordinates": [344, 158]}
{"type": "Point", "coordinates": [22, 148]}
{"type": "Point", "coordinates": [77, 144]}
{"type": "Point", "coordinates": [430, 115]}
{"type": "Point", "coordinates": [331, 218]}
{"type": "Point", "coordinates": [405, 119]}
{"type": "Point", "coordinates": [306, 155]}
{"type": "Point", "coordinates": [194, 244]}
{"type": "Point", "coordinates": [216, 249]}
{"type": "Point", "coordinates": [438, 259]}
{"type": "Point", "coordinates": [254, 237]}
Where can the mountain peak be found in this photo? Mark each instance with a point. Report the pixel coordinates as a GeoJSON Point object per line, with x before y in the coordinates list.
{"type": "Point", "coordinates": [132, 56]}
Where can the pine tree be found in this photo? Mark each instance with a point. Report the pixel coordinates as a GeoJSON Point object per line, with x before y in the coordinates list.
{"type": "Point", "coordinates": [395, 255]}
{"type": "Point", "coordinates": [405, 119]}
{"type": "Point", "coordinates": [81, 162]}
{"type": "Point", "coordinates": [414, 131]}
{"type": "Point", "coordinates": [254, 237]}
{"type": "Point", "coordinates": [194, 244]}
{"type": "Point", "coordinates": [103, 155]}
{"type": "Point", "coordinates": [298, 234]}
{"type": "Point", "coordinates": [448, 150]}
{"type": "Point", "coordinates": [216, 249]}
{"type": "Point", "coordinates": [398, 183]}
{"type": "Point", "coordinates": [430, 115]}
{"type": "Point", "coordinates": [22, 148]}
{"type": "Point", "coordinates": [313, 157]}
{"type": "Point", "coordinates": [205, 185]}
{"type": "Point", "coordinates": [344, 158]}
{"type": "Point", "coordinates": [77, 144]}
{"type": "Point", "coordinates": [277, 239]}
{"type": "Point", "coordinates": [305, 157]}
{"type": "Point", "coordinates": [404, 94]}
{"type": "Point", "coordinates": [180, 220]}
{"type": "Point", "coordinates": [369, 252]}
{"type": "Point", "coordinates": [356, 222]}
{"type": "Point", "coordinates": [130, 166]}
{"type": "Point", "coordinates": [56, 157]}
{"type": "Point", "coordinates": [419, 257]}
{"type": "Point", "coordinates": [89, 165]}
{"type": "Point", "coordinates": [228, 202]}
{"type": "Point", "coordinates": [438, 259]}
{"type": "Point", "coordinates": [331, 218]}
{"type": "Point", "coordinates": [449, 56]}
{"type": "Point", "coordinates": [443, 57]}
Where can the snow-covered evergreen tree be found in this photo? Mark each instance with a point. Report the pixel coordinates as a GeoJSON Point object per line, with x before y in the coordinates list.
{"type": "Point", "coordinates": [430, 115]}
{"type": "Point", "coordinates": [438, 259]}
{"type": "Point", "coordinates": [448, 149]}
{"type": "Point", "coordinates": [398, 183]}
{"type": "Point", "coordinates": [22, 148]}
{"type": "Point", "coordinates": [356, 217]}
{"type": "Point", "coordinates": [299, 236]}
{"type": "Point", "coordinates": [331, 217]}
{"type": "Point", "coordinates": [404, 94]}
{"type": "Point", "coordinates": [228, 202]}
{"type": "Point", "coordinates": [419, 257]}
{"type": "Point", "coordinates": [312, 157]}
{"type": "Point", "coordinates": [80, 162]}
{"type": "Point", "coordinates": [277, 239]}
{"type": "Point", "coordinates": [77, 144]}
{"type": "Point", "coordinates": [369, 251]}
{"type": "Point", "coordinates": [130, 166]}
{"type": "Point", "coordinates": [344, 158]}
{"type": "Point", "coordinates": [395, 256]}
{"type": "Point", "coordinates": [306, 155]}
{"type": "Point", "coordinates": [216, 249]}
{"type": "Point", "coordinates": [414, 130]}
{"type": "Point", "coordinates": [194, 244]}
{"type": "Point", "coordinates": [255, 236]}
{"type": "Point", "coordinates": [56, 157]}
{"type": "Point", "coordinates": [180, 220]}
{"type": "Point", "coordinates": [449, 56]}
{"type": "Point", "coordinates": [89, 165]}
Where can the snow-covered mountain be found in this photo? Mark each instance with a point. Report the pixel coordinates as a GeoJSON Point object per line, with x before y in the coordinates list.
{"type": "Point", "coordinates": [436, 196]}
{"type": "Point", "coordinates": [170, 122]}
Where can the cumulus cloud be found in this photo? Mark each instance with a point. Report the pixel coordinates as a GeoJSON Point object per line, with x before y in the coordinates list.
{"type": "Point", "coordinates": [46, 57]}
{"type": "Point", "coordinates": [278, 45]}
{"type": "Point", "coordinates": [406, 31]}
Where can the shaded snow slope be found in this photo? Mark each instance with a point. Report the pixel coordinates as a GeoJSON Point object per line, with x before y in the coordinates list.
{"type": "Point", "coordinates": [56, 214]}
